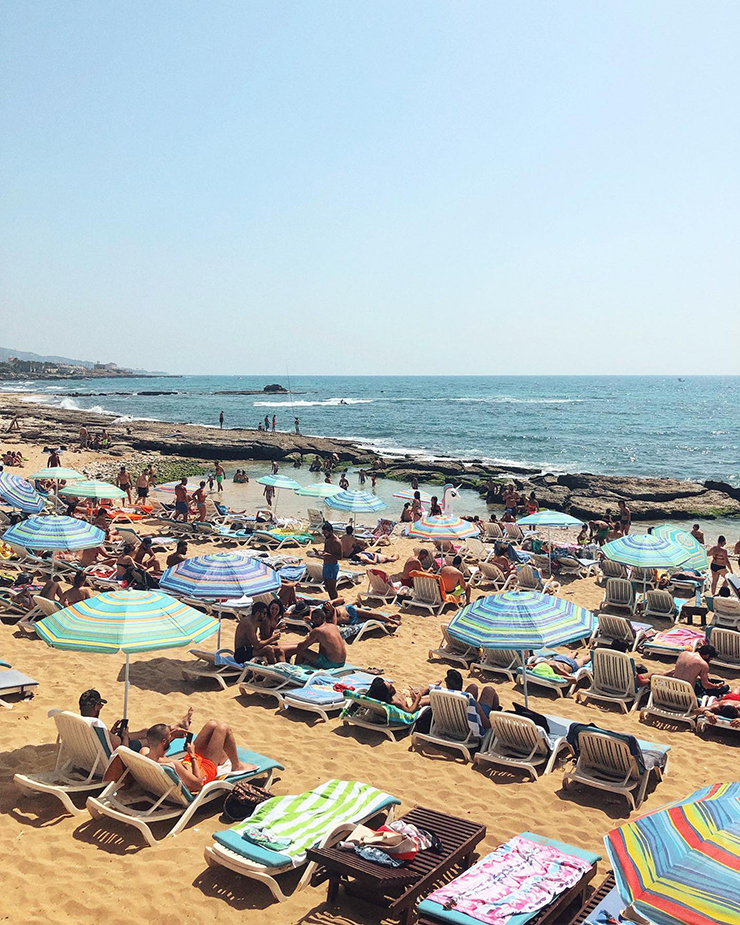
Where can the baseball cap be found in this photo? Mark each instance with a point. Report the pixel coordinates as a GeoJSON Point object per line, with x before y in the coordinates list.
{"type": "Point", "coordinates": [91, 698]}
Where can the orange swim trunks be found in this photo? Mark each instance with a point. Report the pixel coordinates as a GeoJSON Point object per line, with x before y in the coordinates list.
{"type": "Point", "coordinates": [208, 769]}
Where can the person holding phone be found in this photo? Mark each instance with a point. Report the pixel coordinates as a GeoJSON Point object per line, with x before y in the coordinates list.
{"type": "Point", "coordinates": [91, 703]}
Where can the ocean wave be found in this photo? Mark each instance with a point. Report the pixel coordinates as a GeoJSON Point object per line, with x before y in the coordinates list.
{"type": "Point", "coordinates": [328, 402]}
{"type": "Point", "coordinates": [510, 400]}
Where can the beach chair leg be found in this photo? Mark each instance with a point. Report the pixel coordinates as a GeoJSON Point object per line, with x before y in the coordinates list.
{"type": "Point", "coordinates": [31, 789]}
{"type": "Point", "coordinates": [214, 860]}
{"type": "Point", "coordinates": [97, 810]}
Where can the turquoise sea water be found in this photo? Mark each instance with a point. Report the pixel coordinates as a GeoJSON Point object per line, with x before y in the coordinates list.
{"type": "Point", "coordinates": [649, 426]}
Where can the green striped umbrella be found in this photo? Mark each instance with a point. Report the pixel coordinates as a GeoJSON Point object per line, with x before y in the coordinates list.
{"type": "Point", "coordinates": [126, 621]}
{"type": "Point", "coordinates": [57, 472]}
{"type": "Point", "coordinates": [696, 551]}
{"type": "Point", "coordinates": [92, 489]}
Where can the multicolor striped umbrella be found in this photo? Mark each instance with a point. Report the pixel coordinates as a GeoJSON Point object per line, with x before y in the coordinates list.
{"type": "Point", "coordinates": [220, 576]}
{"type": "Point", "coordinates": [126, 621]}
{"type": "Point", "coordinates": [318, 490]}
{"type": "Point", "coordinates": [407, 494]}
{"type": "Point", "coordinates": [697, 552]}
{"type": "Point", "coordinates": [355, 502]}
{"type": "Point", "coordinates": [54, 532]}
{"type": "Point", "coordinates": [92, 489]}
{"type": "Point", "coordinates": [445, 527]}
{"type": "Point", "coordinates": [279, 481]}
{"type": "Point", "coordinates": [521, 620]}
{"type": "Point", "coordinates": [57, 472]}
{"type": "Point", "coordinates": [680, 865]}
{"type": "Point", "coordinates": [549, 519]}
{"type": "Point", "coordinates": [645, 551]}
{"type": "Point", "coordinates": [20, 493]}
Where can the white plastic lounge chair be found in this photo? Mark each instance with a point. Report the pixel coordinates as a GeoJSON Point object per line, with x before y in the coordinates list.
{"type": "Point", "coordinates": [353, 633]}
{"type": "Point", "coordinates": [606, 763]}
{"type": "Point", "coordinates": [529, 579]}
{"type": "Point", "coordinates": [379, 588]}
{"type": "Point", "coordinates": [662, 644]}
{"type": "Point", "coordinates": [475, 550]}
{"type": "Point", "coordinates": [514, 533]}
{"type": "Point", "coordinates": [84, 754]}
{"type": "Point", "coordinates": [43, 607]}
{"type": "Point", "coordinates": [385, 718]}
{"type": "Point", "coordinates": [540, 562]}
{"type": "Point", "coordinates": [613, 680]}
{"type": "Point", "coordinates": [216, 666]}
{"type": "Point", "coordinates": [427, 594]}
{"type": "Point", "coordinates": [612, 628]}
{"type": "Point", "coordinates": [158, 794]}
{"type": "Point", "coordinates": [493, 531]}
{"type": "Point", "coordinates": [489, 574]}
{"type": "Point", "coordinates": [499, 661]}
{"type": "Point", "coordinates": [644, 577]}
{"type": "Point", "coordinates": [449, 727]}
{"type": "Point", "coordinates": [610, 569]}
{"type": "Point", "coordinates": [13, 683]}
{"type": "Point", "coordinates": [660, 604]}
{"type": "Point", "coordinates": [569, 565]}
{"type": "Point", "coordinates": [451, 650]}
{"type": "Point", "coordinates": [318, 818]}
{"type": "Point", "coordinates": [727, 644]}
{"type": "Point", "coordinates": [720, 722]}
{"type": "Point", "coordinates": [275, 680]}
{"type": "Point", "coordinates": [315, 521]}
{"type": "Point", "coordinates": [517, 742]}
{"type": "Point", "coordinates": [318, 695]}
{"type": "Point", "coordinates": [619, 594]}
{"type": "Point", "coordinates": [314, 578]}
{"type": "Point", "coordinates": [671, 699]}
{"type": "Point", "coordinates": [563, 687]}
{"type": "Point", "coordinates": [726, 612]}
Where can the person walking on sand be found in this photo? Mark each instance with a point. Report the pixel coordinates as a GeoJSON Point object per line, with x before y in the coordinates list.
{"type": "Point", "coordinates": [220, 473]}
{"type": "Point", "coordinates": [269, 493]}
{"type": "Point", "coordinates": [331, 555]}
{"type": "Point", "coordinates": [124, 482]}
{"type": "Point", "coordinates": [181, 501]}
{"type": "Point", "coordinates": [297, 426]}
{"type": "Point", "coordinates": [221, 420]}
{"type": "Point", "coordinates": [720, 564]}
{"type": "Point", "coordinates": [274, 423]}
{"type": "Point", "coordinates": [142, 487]}
{"type": "Point", "coordinates": [199, 496]}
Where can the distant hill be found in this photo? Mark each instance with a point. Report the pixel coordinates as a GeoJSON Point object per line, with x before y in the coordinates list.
{"type": "Point", "coordinates": [6, 353]}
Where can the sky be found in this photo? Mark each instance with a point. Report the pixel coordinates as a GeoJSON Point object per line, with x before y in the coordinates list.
{"type": "Point", "coordinates": [393, 187]}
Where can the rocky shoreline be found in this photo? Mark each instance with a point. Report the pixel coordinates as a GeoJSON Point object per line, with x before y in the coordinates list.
{"type": "Point", "coordinates": [584, 495]}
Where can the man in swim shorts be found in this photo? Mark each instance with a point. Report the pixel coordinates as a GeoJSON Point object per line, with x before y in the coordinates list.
{"type": "Point", "coordinates": [220, 473]}
{"type": "Point", "coordinates": [331, 555]}
{"type": "Point", "coordinates": [453, 579]}
{"type": "Point", "coordinates": [332, 651]}
{"type": "Point", "coordinates": [142, 486]}
{"type": "Point", "coordinates": [181, 501]}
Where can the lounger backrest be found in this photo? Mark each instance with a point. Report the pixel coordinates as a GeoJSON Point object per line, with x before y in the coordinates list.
{"type": "Point", "coordinates": [46, 606]}
{"type": "Point", "coordinates": [606, 755]}
{"type": "Point", "coordinates": [266, 598]}
{"type": "Point", "coordinates": [501, 658]}
{"type": "Point", "coordinates": [513, 532]}
{"type": "Point", "coordinates": [661, 602]}
{"type": "Point", "coordinates": [673, 694]}
{"type": "Point", "coordinates": [493, 531]}
{"type": "Point", "coordinates": [454, 644]}
{"type": "Point", "coordinates": [526, 577]}
{"type": "Point", "coordinates": [377, 583]}
{"type": "Point", "coordinates": [492, 573]}
{"type": "Point", "coordinates": [82, 746]}
{"type": "Point", "coordinates": [315, 519]}
{"type": "Point", "coordinates": [128, 535]}
{"type": "Point", "coordinates": [619, 591]}
{"type": "Point", "coordinates": [518, 733]}
{"type": "Point", "coordinates": [314, 571]}
{"type": "Point", "coordinates": [727, 644]}
{"type": "Point", "coordinates": [426, 588]}
{"type": "Point", "coordinates": [155, 779]}
{"type": "Point", "coordinates": [613, 569]}
{"type": "Point", "coordinates": [615, 627]}
{"type": "Point", "coordinates": [614, 672]}
{"type": "Point", "coordinates": [541, 561]}
{"type": "Point", "coordinates": [475, 547]}
{"type": "Point", "coordinates": [642, 574]}
{"type": "Point", "coordinates": [449, 715]}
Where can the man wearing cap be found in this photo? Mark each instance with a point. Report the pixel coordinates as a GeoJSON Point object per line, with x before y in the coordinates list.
{"type": "Point", "coordinates": [91, 703]}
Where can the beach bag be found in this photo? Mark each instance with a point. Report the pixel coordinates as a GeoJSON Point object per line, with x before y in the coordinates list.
{"type": "Point", "coordinates": [244, 799]}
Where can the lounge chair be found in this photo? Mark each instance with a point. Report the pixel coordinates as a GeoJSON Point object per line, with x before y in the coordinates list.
{"type": "Point", "coordinates": [216, 666]}
{"type": "Point", "coordinates": [720, 722]}
{"type": "Point", "coordinates": [644, 577]}
{"type": "Point", "coordinates": [610, 569]}
{"type": "Point", "coordinates": [569, 565]}
{"type": "Point", "coordinates": [672, 642]}
{"type": "Point", "coordinates": [604, 905]}
{"type": "Point", "coordinates": [529, 579]}
{"type": "Point", "coordinates": [493, 531]}
{"type": "Point", "coordinates": [385, 718]}
{"type": "Point", "coordinates": [43, 607]}
{"type": "Point", "coordinates": [605, 762]}
{"type": "Point", "coordinates": [316, 818]}
{"type": "Point", "coordinates": [434, 913]}
{"type": "Point", "coordinates": [274, 540]}
{"type": "Point", "coordinates": [158, 794]}
{"type": "Point", "coordinates": [514, 533]}
{"type": "Point", "coordinates": [611, 628]}
{"type": "Point", "coordinates": [13, 683]}
{"type": "Point", "coordinates": [661, 605]}
{"type": "Point", "coordinates": [563, 686]}
{"type": "Point", "coordinates": [517, 742]}
{"type": "Point", "coordinates": [613, 680]}
{"type": "Point", "coordinates": [727, 644]}
{"type": "Point", "coordinates": [379, 588]}
{"type": "Point", "coordinates": [489, 574]}
{"type": "Point", "coordinates": [314, 579]}
{"type": "Point", "coordinates": [474, 550]}
{"type": "Point", "coordinates": [451, 650]}
{"type": "Point", "coordinates": [619, 594]}
{"type": "Point", "coordinates": [315, 521]}
{"type": "Point", "coordinates": [726, 612]}
{"type": "Point", "coordinates": [499, 661]}
{"type": "Point", "coordinates": [450, 727]}
{"type": "Point", "coordinates": [276, 680]}
{"type": "Point", "coordinates": [671, 699]}
{"type": "Point", "coordinates": [428, 594]}
{"type": "Point", "coordinates": [319, 694]}
{"type": "Point", "coordinates": [84, 754]}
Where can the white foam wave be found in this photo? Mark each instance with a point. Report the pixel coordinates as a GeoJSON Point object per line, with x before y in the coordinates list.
{"type": "Point", "coordinates": [509, 400]}
{"type": "Point", "coordinates": [328, 402]}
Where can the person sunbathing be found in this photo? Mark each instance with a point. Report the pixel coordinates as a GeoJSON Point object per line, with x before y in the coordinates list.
{"type": "Point", "coordinates": [374, 558]}
{"type": "Point", "coordinates": [332, 651]}
{"type": "Point", "coordinates": [421, 561]}
{"type": "Point", "coordinates": [384, 691]}
{"type": "Point", "coordinates": [91, 703]}
{"type": "Point", "coordinates": [348, 614]}
{"type": "Point", "coordinates": [726, 707]}
{"type": "Point", "coordinates": [565, 665]}
{"type": "Point", "coordinates": [212, 748]}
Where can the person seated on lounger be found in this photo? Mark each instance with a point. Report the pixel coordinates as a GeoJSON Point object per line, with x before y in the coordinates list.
{"type": "Point", "coordinates": [726, 609]}
{"type": "Point", "coordinates": [348, 614]}
{"type": "Point", "coordinates": [453, 580]}
{"type": "Point", "coordinates": [179, 555]}
{"type": "Point", "coordinates": [212, 748]}
{"type": "Point", "coordinates": [565, 665]}
{"type": "Point", "coordinates": [485, 701]}
{"type": "Point", "coordinates": [91, 703]}
{"type": "Point", "coordinates": [727, 707]}
{"type": "Point", "coordinates": [384, 691]}
{"type": "Point", "coordinates": [332, 651]}
{"type": "Point", "coordinates": [80, 591]}
{"type": "Point", "coordinates": [144, 556]}
{"type": "Point", "coordinates": [421, 561]}
{"type": "Point", "coordinates": [350, 544]}
{"type": "Point", "coordinates": [249, 638]}
{"type": "Point", "coordinates": [694, 668]}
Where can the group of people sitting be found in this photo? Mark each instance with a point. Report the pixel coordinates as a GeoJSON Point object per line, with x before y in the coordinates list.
{"type": "Point", "coordinates": [241, 477]}
{"type": "Point", "coordinates": [12, 458]}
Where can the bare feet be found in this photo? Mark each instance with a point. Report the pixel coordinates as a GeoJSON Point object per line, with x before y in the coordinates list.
{"type": "Point", "coordinates": [243, 767]}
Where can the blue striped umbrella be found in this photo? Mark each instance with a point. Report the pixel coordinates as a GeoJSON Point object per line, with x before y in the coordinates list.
{"type": "Point", "coordinates": [57, 472]}
{"type": "Point", "coordinates": [355, 502]}
{"type": "Point", "coordinates": [521, 620]}
{"type": "Point", "coordinates": [20, 493]}
{"type": "Point", "coordinates": [697, 551]}
{"type": "Point", "coordinates": [126, 621]}
{"type": "Point", "coordinates": [549, 519]}
{"type": "Point", "coordinates": [279, 481]}
{"type": "Point", "coordinates": [54, 532]}
{"type": "Point", "coordinates": [445, 527]}
{"type": "Point", "coordinates": [645, 551]}
{"type": "Point", "coordinates": [318, 490]}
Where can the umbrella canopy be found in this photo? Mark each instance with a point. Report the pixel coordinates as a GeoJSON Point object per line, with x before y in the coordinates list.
{"type": "Point", "coordinates": [680, 865]}
{"type": "Point", "coordinates": [549, 519]}
{"type": "Point", "coordinates": [92, 489]}
{"type": "Point", "coordinates": [645, 551]}
{"type": "Point", "coordinates": [57, 472]}
{"type": "Point", "coordinates": [20, 493]}
{"type": "Point", "coordinates": [355, 502]}
{"type": "Point", "coordinates": [446, 527]}
{"type": "Point", "coordinates": [521, 620]}
{"type": "Point", "coordinates": [407, 494]}
{"type": "Point", "coordinates": [54, 532]}
{"type": "Point", "coordinates": [279, 481]}
{"type": "Point", "coordinates": [319, 490]}
{"type": "Point", "coordinates": [220, 576]}
{"type": "Point", "coordinates": [696, 551]}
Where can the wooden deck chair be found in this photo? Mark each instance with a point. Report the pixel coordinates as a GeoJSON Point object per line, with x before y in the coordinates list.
{"type": "Point", "coordinates": [611, 628]}
{"type": "Point", "coordinates": [493, 531]}
{"type": "Point", "coordinates": [671, 699]}
{"type": "Point", "coordinates": [613, 680]}
{"type": "Point", "coordinates": [84, 754]}
{"type": "Point", "coordinates": [451, 650]}
{"type": "Point", "coordinates": [619, 594]}
{"type": "Point", "coordinates": [379, 588]}
{"type": "Point", "coordinates": [14, 683]}
{"type": "Point", "coordinates": [489, 574]}
{"type": "Point", "coordinates": [517, 742]}
{"type": "Point", "coordinates": [216, 666]}
{"type": "Point", "coordinates": [43, 607]}
{"type": "Point", "coordinates": [158, 794]}
{"type": "Point", "coordinates": [385, 718]}
{"type": "Point", "coordinates": [606, 763]}
{"type": "Point", "coordinates": [499, 661]}
{"type": "Point", "coordinates": [660, 604]}
{"type": "Point", "coordinates": [610, 569]}
{"type": "Point", "coordinates": [727, 644]}
{"type": "Point", "coordinates": [529, 579]}
{"type": "Point", "coordinates": [427, 593]}
{"type": "Point", "coordinates": [450, 727]}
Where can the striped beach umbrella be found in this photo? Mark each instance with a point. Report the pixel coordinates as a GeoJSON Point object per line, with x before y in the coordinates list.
{"type": "Point", "coordinates": [318, 490]}
{"type": "Point", "coordinates": [646, 551]}
{"type": "Point", "coordinates": [521, 620]}
{"type": "Point", "coordinates": [279, 481]}
{"type": "Point", "coordinates": [92, 489]}
{"type": "Point", "coordinates": [445, 527]}
{"type": "Point", "coordinates": [680, 865]}
{"type": "Point", "coordinates": [696, 551]}
{"type": "Point", "coordinates": [126, 621]}
{"type": "Point", "coordinates": [54, 532]}
{"type": "Point", "coordinates": [407, 494]}
{"type": "Point", "coordinates": [20, 493]}
{"type": "Point", "coordinates": [58, 473]}
{"type": "Point", "coordinates": [549, 519]}
{"type": "Point", "coordinates": [355, 502]}
{"type": "Point", "coordinates": [220, 576]}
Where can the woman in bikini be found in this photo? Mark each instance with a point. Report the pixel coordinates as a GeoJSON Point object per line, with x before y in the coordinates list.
{"type": "Point", "coordinates": [720, 564]}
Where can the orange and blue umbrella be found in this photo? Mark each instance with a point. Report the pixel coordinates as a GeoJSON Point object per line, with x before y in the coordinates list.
{"type": "Point", "coordinates": [20, 493]}
{"type": "Point", "coordinates": [444, 527]}
{"type": "Point", "coordinates": [680, 865]}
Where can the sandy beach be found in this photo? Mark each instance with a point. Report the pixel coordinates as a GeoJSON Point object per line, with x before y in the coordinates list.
{"type": "Point", "coordinates": [95, 872]}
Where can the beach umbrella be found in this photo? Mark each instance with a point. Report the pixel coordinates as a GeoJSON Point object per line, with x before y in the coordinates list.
{"type": "Point", "coordinates": [644, 550]}
{"type": "Point", "coordinates": [54, 532]}
{"type": "Point", "coordinates": [126, 621]}
{"type": "Point", "coordinates": [278, 482]}
{"type": "Point", "coordinates": [445, 527]}
{"type": "Point", "coordinates": [697, 551]}
{"type": "Point", "coordinates": [220, 576]}
{"type": "Point", "coordinates": [549, 519]}
{"type": "Point", "coordinates": [355, 502]}
{"type": "Point", "coordinates": [521, 620]}
{"type": "Point", "coordinates": [680, 864]}
{"type": "Point", "coordinates": [58, 473]}
{"type": "Point", "coordinates": [318, 490]}
{"type": "Point", "coordinates": [20, 493]}
{"type": "Point", "coordinates": [407, 494]}
{"type": "Point", "coordinates": [92, 489]}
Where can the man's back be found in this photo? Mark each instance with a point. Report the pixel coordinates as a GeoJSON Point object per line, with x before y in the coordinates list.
{"type": "Point", "coordinates": [451, 577]}
{"type": "Point", "coordinates": [689, 667]}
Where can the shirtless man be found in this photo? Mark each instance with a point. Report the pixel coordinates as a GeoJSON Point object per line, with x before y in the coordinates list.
{"type": "Point", "coordinates": [213, 746]}
{"type": "Point", "coordinates": [511, 498]}
{"type": "Point", "coordinates": [78, 592]}
{"type": "Point", "coordinates": [331, 555]}
{"type": "Point", "coordinates": [181, 501]}
{"type": "Point", "coordinates": [453, 578]}
{"type": "Point", "coordinates": [332, 652]}
{"type": "Point", "coordinates": [91, 703]}
{"type": "Point", "coordinates": [720, 564]}
{"type": "Point", "coordinates": [144, 555]}
{"type": "Point", "coordinates": [123, 481]}
{"type": "Point", "coordinates": [269, 492]}
{"type": "Point", "coordinates": [220, 473]}
{"type": "Point", "coordinates": [697, 534]}
{"type": "Point", "coordinates": [342, 614]}
{"type": "Point", "coordinates": [248, 641]}
{"type": "Point", "coordinates": [179, 555]}
{"type": "Point", "coordinates": [142, 486]}
{"type": "Point", "coordinates": [350, 544]}
{"type": "Point", "coordinates": [199, 496]}
{"type": "Point", "coordinates": [694, 668]}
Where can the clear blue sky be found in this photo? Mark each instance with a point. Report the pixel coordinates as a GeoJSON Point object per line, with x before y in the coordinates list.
{"type": "Point", "coordinates": [381, 187]}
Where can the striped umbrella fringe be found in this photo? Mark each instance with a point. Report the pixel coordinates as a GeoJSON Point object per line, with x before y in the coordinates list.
{"type": "Point", "coordinates": [92, 489]}
{"type": "Point", "coordinates": [521, 620]}
{"type": "Point", "coordinates": [126, 621]}
{"type": "Point", "coordinates": [549, 519]}
{"type": "Point", "coordinates": [54, 532]}
{"type": "Point", "coordinates": [646, 551]}
{"type": "Point", "coordinates": [220, 576]}
{"type": "Point", "coordinates": [319, 490]}
{"type": "Point", "coordinates": [407, 494]}
{"type": "Point", "coordinates": [279, 481]}
{"type": "Point", "coordinates": [355, 502]}
{"type": "Point", "coordinates": [680, 864]}
{"type": "Point", "coordinates": [445, 527]}
{"type": "Point", "coordinates": [698, 558]}
{"type": "Point", "coordinates": [20, 493]}
{"type": "Point", "coordinates": [57, 472]}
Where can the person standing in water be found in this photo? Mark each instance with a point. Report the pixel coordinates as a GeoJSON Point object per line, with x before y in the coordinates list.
{"type": "Point", "coordinates": [220, 473]}
{"type": "Point", "coordinates": [221, 420]}
{"type": "Point", "coordinates": [297, 426]}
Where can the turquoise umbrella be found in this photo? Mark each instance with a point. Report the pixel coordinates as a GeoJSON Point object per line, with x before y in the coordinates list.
{"type": "Point", "coordinates": [646, 551]}
{"type": "Point", "coordinates": [54, 532]}
{"type": "Point", "coordinates": [20, 493]}
{"type": "Point", "coordinates": [57, 472]}
{"type": "Point", "coordinates": [279, 481]}
{"type": "Point", "coordinates": [697, 551]}
{"type": "Point", "coordinates": [549, 519]}
{"type": "Point", "coordinates": [355, 502]}
{"type": "Point", "coordinates": [318, 490]}
{"type": "Point", "coordinates": [92, 489]}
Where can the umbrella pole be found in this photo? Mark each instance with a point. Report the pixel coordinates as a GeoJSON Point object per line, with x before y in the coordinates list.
{"type": "Point", "coordinates": [524, 677]}
{"type": "Point", "coordinates": [125, 689]}
{"type": "Point", "coordinates": [218, 639]}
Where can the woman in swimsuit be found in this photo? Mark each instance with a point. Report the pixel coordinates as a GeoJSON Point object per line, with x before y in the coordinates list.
{"type": "Point", "coordinates": [720, 563]}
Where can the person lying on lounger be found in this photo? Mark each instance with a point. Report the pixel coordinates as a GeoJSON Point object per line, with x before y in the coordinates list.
{"type": "Point", "coordinates": [332, 651]}
{"type": "Point", "coordinates": [727, 707]}
{"type": "Point", "coordinates": [214, 746]}
{"type": "Point", "coordinates": [565, 665]}
{"type": "Point", "coordinates": [348, 614]}
{"type": "Point", "coordinates": [384, 691]}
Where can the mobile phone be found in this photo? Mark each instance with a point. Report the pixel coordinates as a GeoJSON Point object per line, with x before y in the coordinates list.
{"type": "Point", "coordinates": [123, 724]}
{"type": "Point", "coordinates": [188, 738]}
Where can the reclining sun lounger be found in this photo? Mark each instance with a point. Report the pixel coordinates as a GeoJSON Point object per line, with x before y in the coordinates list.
{"type": "Point", "coordinates": [671, 699]}
{"type": "Point", "coordinates": [158, 794]}
{"type": "Point", "coordinates": [499, 661]}
{"type": "Point", "coordinates": [451, 723]}
{"type": "Point", "coordinates": [279, 679]}
{"type": "Point", "coordinates": [613, 680]}
{"type": "Point", "coordinates": [451, 650]}
{"type": "Point", "coordinates": [15, 682]}
{"type": "Point", "coordinates": [385, 718]}
{"type": "Point", "coordinates": [517, 742]}
{"type": "Point", "coordinates": [563, 686]}
{"type": "Point", "coordinates": [216, 666]}
{"type": "Point", "coordinates": [283, 828]}
{"type": "Point", "coordinates": [319, 696]}
{"type": "Point", "coordinates": [671, 643]}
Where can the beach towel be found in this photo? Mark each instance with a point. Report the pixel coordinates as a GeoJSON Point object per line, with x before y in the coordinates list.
{"type": "Point", "coordinates": [520, 877]}
{"type": "Point", "coordinates": [679, 637]}
{"type": "Point", "coordinates": [395, 715]}
{"type": "Point", "coordinates": [474, 722]}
